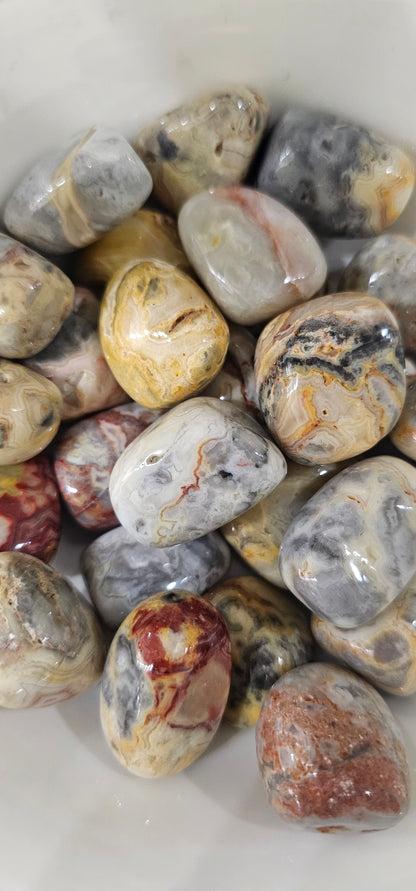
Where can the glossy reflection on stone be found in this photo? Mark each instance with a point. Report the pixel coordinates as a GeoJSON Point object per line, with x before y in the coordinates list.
{"type": "Point", "coordinates": [403, 435]}
{"type": "Point", "coordinates": [75, 362]}
{"type": "Point", "coordinates": [30, 514]}
{"type": "Point", "coordinates": [269, 635]}
{"type": "Point", "coordinates": [120, 572]}
{"type": "Point", "coordinates": [257, 534]}
{"type": "Point", "coordinates": [235, 382]}
{"type": "Point", "coordinates": [30, 412]}
{"type": "Point", "coordinates": [51, 646]}
{"type": "Point", "coordinates": [35, 298]}
{"type": "Point", "coordinates": [331, 753]}
{"type": "Point", "coordinates": [165, 683]}
{"type": "Point", "coordinates": [146, 235]}
{"type": "Point", "coordinates": [201, 464]}
{"type": "Point", "coordinates": [350, 551]}
{"type": "Point", "coordinates": [210, 141]}
{"type": "Point", "coordinates": [343, 179]}
{"type": "Point", "coordinates": [254, 256]}
{"type": "Point", "coordinates": [85, 455]}
{"type": "Point", "coordinates": [162, 336]}
{"type": "Point", "coordinates": [384, 650]}
{"type": "Point", "coordinates": [330, 377]}
{"type": "Point", "coordinates": [74, 194]}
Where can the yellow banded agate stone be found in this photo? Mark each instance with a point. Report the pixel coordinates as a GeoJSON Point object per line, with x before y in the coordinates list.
{"type": "Point", "coordinates": [30, 412]}
{"type": "Point", "coordinates": [162, 336]}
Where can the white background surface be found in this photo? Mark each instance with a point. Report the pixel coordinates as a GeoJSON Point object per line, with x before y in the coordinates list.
{"type": "Point", "coordinates": [70, 818]}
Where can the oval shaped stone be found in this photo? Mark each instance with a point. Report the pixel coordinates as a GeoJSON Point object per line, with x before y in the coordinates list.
{"type": "Point", "coordinates": [386, 267]}
{"type": "Point", "coordinates": [30, 513]}
{"type": "Point", "coordinates": [146, 235]}
{"type": "Point", "coordinates": [35, 299]}
{"type": "Point", "coordinates": [75, 362]}
{"type": "Point", "coordinates": [330, 377]}
{"type": "Point", "coordinates": [201, 464]}
{"type": "Point", "coordinates": [120, 572]}
{"type": "Point", "coordinates": [75, 193]}
{"type": "Point", "coordinates": [257, 534]}
{"type": "Point", "coordinates": [403, 435]}
{"type": "Point", "coordinates": [30, 412]}
{"type": "Point", "coordinates": [165, 683]}
{"type": "Point", "coordinates": [269, 635]}
{"type": "Point", "coordinates": [210, 141]}
{"type": "Point", "coordinates": [85, 455]}
{"type": "Point", "coordinates": [254, 256]}
{"type": "Point", "coordinates": [331, 753]}
{"type": "Point", "coordinates": [340, 177]}
{"type": "Point", "coordinates": [51, 645]}
{"type": "Point", "coordinates": [384, 650]}
{"type": "Point", "coordinates": [350, 551]}
{"type": "Point", "coordinates": [235, 382]}
{"type": "Point", "coordinates": [162, 336]}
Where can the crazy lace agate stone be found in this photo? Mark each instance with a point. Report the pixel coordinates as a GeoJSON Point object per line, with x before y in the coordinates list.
{"type": "Point", "coordinates": [257, 534]}
{"type": "Point", "coordinates": [30, 514]}
{"type": "Point", "coordinates": [35, 298]}
{"type": "Point", "coordinates": [85, 455]}
{"type": "Point", "coordinates": [350, 551]}
{"type": "Point", "coordinates": [74, 194]}
{"type": "Point", "coordinates": [403, 435]}
{"type": "Point", "coordinates": [51, 645]}
{"type": "Point", "coordinates": [120, 572]}
{"type": "Point", "coordinates": [30, 412]}
{"type": "Point", "coordinates": [210, 141]}
{"type": "Point", "coordinates": [146, 235]}
{"type": "Point", "coordinates": [201, 464]}
{"type": "Point", "coordinates": [384, 650]}
{"type": "Point", "coordinates": [330, 377]}
{"type": "Point", "coordinates": [165, 683]}
{"type": "Point", "coordinates": [75, 362]}
{"type": "Point", "coordinates": [235, 382]}
{"type": "Point", "coordinates": [163, 337]}
{"type": "Point", "coordinates": [331, 753]}
{"type": "Point", "coordinates": [386, 267]}
{"type": "Point", "coordinates": [269, 635]}
{"type": "Point", "coordinates": [340, 177]}
{"type": "Point", "coordinates": [254, 256]}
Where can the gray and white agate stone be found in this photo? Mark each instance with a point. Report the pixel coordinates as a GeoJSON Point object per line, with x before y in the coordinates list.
{"type": "Point", "coordinates": [197, 467]}
{"type": "Point", "coordinates": [73, 195]}
{"type": "Point", "coordinates": [351, 550]}
{"type": "Point", "coordinates": [120, 572]}
{"type": "Point", "coordinates": [386, 268]}
{"type": "Point", "coordinates": [343, 179]}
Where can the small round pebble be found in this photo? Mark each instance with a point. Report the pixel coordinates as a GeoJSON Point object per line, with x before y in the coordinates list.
{"type": "Point", "coordinates": [30, 513]}
{"type": "Point", "coordinates": [30, 412]}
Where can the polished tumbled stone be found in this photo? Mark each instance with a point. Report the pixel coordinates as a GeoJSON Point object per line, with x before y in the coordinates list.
{"type": "Point", "coordinates": [331, 753]}
{"type": "Point", "coordinates": [235, 382]}
{"type": "Point", "coordinates": [341, 178]}
{"type": "Point", "coordinates": [201, 464]}
{"type": "Point", "coordinates": [350, 551]}
{"type": "Point", "coordinates": [210, 141]}
{"type": "Point", "coordinates": [120, 572]}
{"type": "Point", "coordinates": [30, 412]}
{"type": "Point", "coordinates": [35, 299]}
{"type": "Point", "coordinates": [254, 256]}
{"type": "Point", "coordinates": [330, 377]}
{"type": "Point", "coordinates": [30, 513]}
{"type": "Point", "coordinates": [76, 193]}
{"type": "Point", "coordinates": [403, 435]}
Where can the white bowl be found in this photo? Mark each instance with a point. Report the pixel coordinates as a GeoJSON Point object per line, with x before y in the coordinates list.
{"type": "Point", "coordinates": [70, 817]}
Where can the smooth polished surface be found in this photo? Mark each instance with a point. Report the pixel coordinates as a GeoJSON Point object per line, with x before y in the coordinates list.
{"type": "Point", "coordinates": [339, 177]}
{"type": "Point", "coordinates": [351, 548]}
{"type": "Point", "coordinates": [162, 336]}
{"type": "Point", "coordinates": [235, 382]}
{"type": "Point", "coordinates": [120, 572]}
{"type": "Point", "coordinates": [30, 412]}
{"type": "Point", "coordinates": [211, 141]}
{"type": "Point", "coordinates": [165, 683]}
{"type": "Point", "coordinates": [335, 357]}
{"type": "Point", "coordinates": [403, 435]}
{"type": "Point", "coordinates": [330, 752]}
{"type": "Point", "coordinates": [269, 635]}
{"type": "Point", "coordinates": [254, 256]}
{"type": "Point", "coordinates": [201, 464]}
{"type": "Point", "coordinates": [30, 511]}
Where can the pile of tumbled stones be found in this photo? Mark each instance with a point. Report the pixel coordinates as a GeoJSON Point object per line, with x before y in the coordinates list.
{"type": "Point", "coordinates": [199, 388]}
